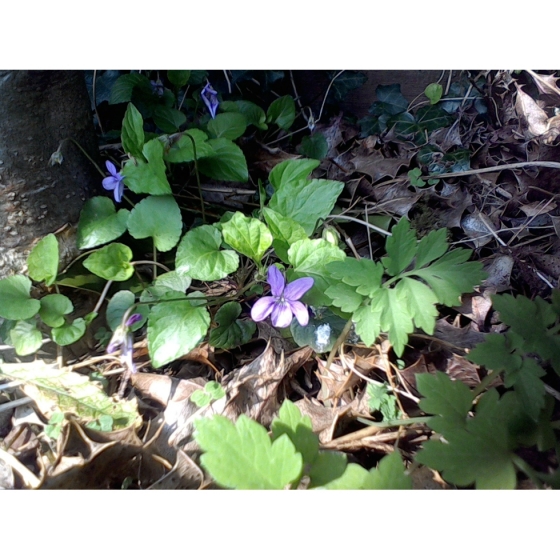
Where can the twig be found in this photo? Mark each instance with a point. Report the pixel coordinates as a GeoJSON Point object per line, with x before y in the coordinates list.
{"type": "Point", "coordinates": [29, 479]}
{"type": "Point", "coordinates": [95, 102]}
{"type": "Point", "coordinates": [367, 224]}
{"type": "Point", "coordinates": [15, 404]}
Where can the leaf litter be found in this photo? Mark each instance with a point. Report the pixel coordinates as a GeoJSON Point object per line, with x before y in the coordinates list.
{"type": "Point", "coordinates": [501, 206]}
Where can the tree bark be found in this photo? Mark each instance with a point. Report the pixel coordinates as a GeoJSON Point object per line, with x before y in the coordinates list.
{"type": "Point", "coordinates": [38, 111]}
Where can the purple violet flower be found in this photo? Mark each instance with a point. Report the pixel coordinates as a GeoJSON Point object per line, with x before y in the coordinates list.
{"type": "Point", "coordinates": [157, 87]}
{"type": "Point", "coordinates": [210, 97]}
{"type": "Point", "coordinates": [114, 182]}
{"type": "Point", "coordinates": [283, 304]}
{"type": "Point", "coordinates": [123, 338]}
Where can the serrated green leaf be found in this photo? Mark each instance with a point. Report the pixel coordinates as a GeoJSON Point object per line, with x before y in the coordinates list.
{"type": "Point", "coordinates": [449, 401]}
{"type": "Point", "coordinates": [60, 390]}
{"type": "Point", "coordinates": [420, 302]}
{"type": "Point", "coordinates": [381, 400]}
{"type": "Point", "coordinates": [495, 353]}
{"type": "Point", "coordinates": [15, 302]}
{"type": "Point", "coordinates": [345, 297]}
{"type": "Point", "coordinates": [68, 334]}
{"type": "Point", "coordinates": [42, 262]}
{"type": "Point", "coordinates": [111, 262]}
{"type": "Point", "coordinates": [99, 223]}
{"type": "Point", "coordinates": [450, 276]}
{"type": "Point", "coordinates": [482, 452]}
{"type": "Point", "coordinates": [178, 78]}
{"type": "Point", "coordinates": [395, 317]}
{"type": "Point", "coordinates": [242, 456]}
{"type": "Point", "coordinates": [368, 323]}
{"type": "Point", "coordinates": [179, 148]}
{"type": "Point", "coordinates": [227, 125]}
{"type": "Point", "coordinates": [158, 217]}
{"type": "Point", "coordinates": [199, 255]}
{"type": "Point", "coordinates": [168, 119]}
{"type": "Point", "coordinates": [147, 177]}
{"type": "Point", "coordinates": [400, 247]}
{"type": "Point", "coordinates": [309, 258]}
{"type": "Point", "coordinates": [26, 338]}
{"type": "Point", "coordinates": [282, 112]}
{"type": "Point", "coordinates": [298, 428]}
{"type": "Point", "coordinates": [291, 171]}
{"type": "Point", "coordinates": [247, 236]}
{"type": "Point", "coordinates": [132, 133]}
{"type": "Point", "coordinates": [363, 274]}
{"type": "Point", "coordinates": [53, 309]}
{"type": "Point", "coordinates": [175, 328]}
{"type": "Point", "coordinates": [431, 247]}
{"type": "Point", "coordinates": [227, 163]}
{"type": "Point", "coordinates": [230, 331]}
{"type": "Point", "coordinates": [306, 201]}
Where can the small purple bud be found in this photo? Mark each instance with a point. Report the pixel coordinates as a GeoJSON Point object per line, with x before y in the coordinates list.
{"type": "Point", "coordinates": [210, 97]}
{"type": "Point", "coordinates": [134, 318]}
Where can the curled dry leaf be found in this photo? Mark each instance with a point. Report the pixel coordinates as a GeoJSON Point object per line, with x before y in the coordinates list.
{"type": "Point", "coordinates": [530, 113]}
{"type": "Point", "coordinates": [546, 84]}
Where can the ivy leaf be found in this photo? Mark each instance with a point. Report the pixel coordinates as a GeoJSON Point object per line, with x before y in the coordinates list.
{"type": "Point", "coordinates": [148, 176]}
{"type": "Point", "coordinates": [158, 217]}
{"type": "Point", "coordinates": [400, 247]}
{"type": "Point", "coordinates": [26, 338]}
{"type": "Point", "coordinates": [242, 456]}
{"type": "Point", "coordinates": [175, 328]}
{"type": "Point", "coordinates": [291, 171]}
{"type": "Point", "coordinates": [306, 201]}
{"type": "Point", "coordinates": [179, 148]}
{"type": "Point", "coordinates": [247, 236]}
{"type": "Point", "coordinates": [53, 309]}
{"type": "Point", "coordinates": [15, 300]}
{"type": "Point", "coordinates": [99, 223]}
{"type": "Point", "coordinates": [309, 258]}
{"type": "Point", "coordinates": [480, 454]}
{"type": "Point", "coordinates": [42, 262]}
{"type": "Point", "coordinates": [199, 255]}
{"type": "Point", "coordinates": [231, 332]}
{"type": "Point", "coordinates": [132, 133]}
{"type": "Point", "coordinates": [285, 232]}
{"type": "Point", "coordinates": [111, 262]}
{"type": "Point", "coordinates": [227, 125]}
{"type": "Point", "coordinates": [282, 112]}
{"type": "Point", "coordinates": [227, 163]}
{"type": "Point", "coordinates": [450, 401]}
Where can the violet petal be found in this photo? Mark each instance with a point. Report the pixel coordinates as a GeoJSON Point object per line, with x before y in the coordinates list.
{"type": "Point", "coordinates": [300, 311]}
{"type": "Point", "coordinates": [296, 289]}
{"type": "Point", "coordinates": [276, 280]}
{"type": "Point", "coordinates": [262, 308]}
{"type": "Point", "coordinates": [282, 315]}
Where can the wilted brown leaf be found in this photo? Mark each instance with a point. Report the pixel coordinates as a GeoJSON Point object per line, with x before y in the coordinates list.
{"type": "Point", "coordinates": [530, 113]}
{"type": "Point", "coordinates": [546, 84]}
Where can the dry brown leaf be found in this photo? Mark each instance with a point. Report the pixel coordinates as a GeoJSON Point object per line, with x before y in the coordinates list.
{"type": "Point", "coordinates": [324, 420]}
{"type": "Point", "coordinates": [546, 84]}
{"type": "Point", "coordinates": [185, 475]}
{"type": "Point", "coordinates": [377, 166]}
{"type": "Point", "coordinates": [394, 199]}
{"type": "Point", "coordinates": [460, 369]}
{"type": "Point", "coordinates": [530, 113]}
{"type": "Point", "coordinates": [537, 208]}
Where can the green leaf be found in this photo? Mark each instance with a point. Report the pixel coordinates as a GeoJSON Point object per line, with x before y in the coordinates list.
{"type": "Point", "coordinates": [432, 117]}
{"type": "Point", "coordinates": [111, 262]}
{"type": "Point", "coordinates": [298, 428]}
{"type": "Point", "coordinates": [227, 125]}
{"type": "Point", "coordinates": [68, 334]}
{"type": "Point", "coordinates": [199, 255]}
{"type": "Point", "coordinates": [306, 202]}
{"type": "Point", "coordinates": [395, 318]}
{"type": "Point", "coordinates": [158, 217]}
{"type": "Point", "coordinates": [53, 309]}
{"type": "Point", "coordinates": [228, 162]}
{"type": "Point", "coordinates": [26, 338]}
{"type": "Point", "coordinates": [175, 328]}
{"type": "Point", "coordinates": [291, 171]}
{"type": "Point", "coordinates": [314, 146]}
{"type": "Point", "coordinates": [242, 456]}
{"type": "Point", "coordinates": [247, 236]}
{"type": "Point", "coordinates": [148, 176]}
{"type": "Point", "coordinates": [15, 302]}
{"type": "Point", "coordinates": [326, 467]}
{"type": "Point", "coordinates": [178, 78]}
{"type": "Point", "coordinates": [119, 304]}
{"type": "Point", "coordinates": [285, 232]}
{"type": "Point", "coordinates": [368, 323]}
{"type": "Point", "coordinates": [381, 400]}
{"type": "Point", "coordinates": [433, 92]}
{"type": "Point", "coordinates": [420, 303]}
{"type": "Point", "coordinates": [212, 392]}
{"type": "Point", "coordinates": [252, 112]}
{"type": "Point", "coordinates": [179, 148]}
{"type": "Point", "coordinates": [168, 119]}
{"type": "Point", "coordinates": [42, 262]}
{"type": "Point", "coordinates": [173, 280]}
{"type": "Point", "coordinates": [121, 91]}
{"type": "Point", "coordinates": [344, 297]}
{"type": "Point", "coordinates": [414, 177]}
{"type": "Point", "coordinates": [480, 454]}
{"type": "Point", "coordinates": [450, 401]}
{"type": "Point", "coordinates": [390, 100]}
{"type": "Point", "coordinates": [400, 247]}
{"type": "Point", "coordinates": [363, 274]}
{"type": "Point", "coordinates": [70, 392]}
{"type": "Point", "coordinates": [231, 332]}
{"type": "Point", "coordinates": [282, 112]}
{"type": "Point", "coordinates": [309, 258]}
{"type": "Point", "coordinates": [99, 223]}
{"type": "Point", "coordinates": [431, 247]}
{"type": "Point", "coordinates": [132, 133]}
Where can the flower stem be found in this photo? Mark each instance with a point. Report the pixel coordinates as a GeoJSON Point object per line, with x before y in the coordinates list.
{"type": "Point", "coordinates": [197, 177]}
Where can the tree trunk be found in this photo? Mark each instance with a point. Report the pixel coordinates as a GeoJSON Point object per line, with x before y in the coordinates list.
{"type": "Point", "coordinates": [38, 111]}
